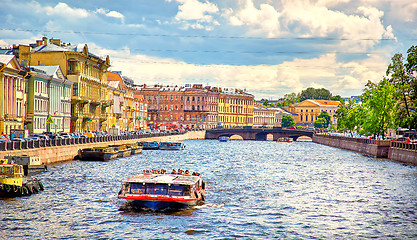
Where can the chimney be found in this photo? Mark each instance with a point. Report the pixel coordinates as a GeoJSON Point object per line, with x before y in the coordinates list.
{"type": "Point", "coordinates": [45, 41]}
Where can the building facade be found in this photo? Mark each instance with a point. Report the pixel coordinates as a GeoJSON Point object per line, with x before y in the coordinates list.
{"type": "Point", "coordinates": [189, 106]}
{"type": "Point", "coordinates": [13, 81]}
{"type": "Point", "coordinates": [115, 95]}
{"type": "Point", "coordinates": [308, 110]}
{"type": "Point", "coordinates": [48, 100]}
{"type": "Point", "coordinates": [88, 74]}
{"type": "Point", "coordinates": [263, 116]}
{"type": "Point", "coordinates": [235, 108]}
{"type": "Point", "coordinates": [141, 112]}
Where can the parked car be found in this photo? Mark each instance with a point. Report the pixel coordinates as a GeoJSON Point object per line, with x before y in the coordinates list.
{"type": "Point", "coordinates": [18, 140]}
{"type": "Point", "coordinates": [89, 134]}
{"type": "Point", "coordinates": [65, 135]}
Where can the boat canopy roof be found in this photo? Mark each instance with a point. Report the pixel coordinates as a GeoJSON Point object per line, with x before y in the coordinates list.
{"type": "Point", "coordinates": [163, 179]}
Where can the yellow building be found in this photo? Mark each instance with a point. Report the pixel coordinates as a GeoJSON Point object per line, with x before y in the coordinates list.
{"type": "Point", "coordinates": [308, 110]}
{"type": "Point", "coordinates": [235, 109]}
{"type": "Point", "coordinates": [129, 104]}
{"type": "Point", "coordinates": [12, 94]}
{"type": "Point", "coordinates": [88, 72]}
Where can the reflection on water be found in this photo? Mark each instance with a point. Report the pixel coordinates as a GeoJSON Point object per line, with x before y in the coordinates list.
{"type": "Point", "coordinates": [255, 190]}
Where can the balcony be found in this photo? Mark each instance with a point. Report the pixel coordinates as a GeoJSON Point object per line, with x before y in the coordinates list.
{"type": "Point", "coordinates": [195, 110]}
{"type": "Point", "coordinates": [106, 103]}
{"type": "Point", "coordinates": [72, 72]}
{"type": "Point", "coordinates": [78, 99]}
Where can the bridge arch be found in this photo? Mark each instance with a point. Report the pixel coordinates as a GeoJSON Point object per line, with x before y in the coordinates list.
{"type": "Point", "coordinates": [260, 134]}
{"type": "Point", "coordinates": [239, 137]}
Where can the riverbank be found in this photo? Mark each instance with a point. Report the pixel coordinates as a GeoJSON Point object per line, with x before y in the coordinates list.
{"type": "Point", "coordinates": [394, 151]}
{"type": "Point", "coordinates": [54, 154]}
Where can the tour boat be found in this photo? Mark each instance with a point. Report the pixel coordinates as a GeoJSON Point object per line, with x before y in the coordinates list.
{"type": "Point", "coordinates": [98, 154]}
{"type": "Point", "coordinates": [171, 146]}
{"type": "Point", "coordinates": [284, 139]}
{"type": "Point", "coordinates": [149, 145]}
{"type": "Point", "coordinates": [224, 139]}
{"type": "Point", "coordinates": [162, 191]}
{"type": "Point", "coordinates": [14, 183]}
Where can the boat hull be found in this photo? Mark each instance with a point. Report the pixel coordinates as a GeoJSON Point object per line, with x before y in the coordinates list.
{"type": "Point", "coordinates": [171, 148]}
{"type": "Point", "coordinates": [97, 156]}
{"type": "Point", "coordinates": [136, 151]}
{"type": "Point", "coordinates": [160, 205]}
{"type": "Point", "coordinates": [124, 153]}
{"type": "Point", "coordinates": [30, 186]}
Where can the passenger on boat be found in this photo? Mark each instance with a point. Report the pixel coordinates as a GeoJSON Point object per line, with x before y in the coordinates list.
{"type": "Point", "coordinates": [180, 171]}
{"type": "Point", "coordinates": [173, 171]}
{"type": "Point", "coordinates": [187, 172]}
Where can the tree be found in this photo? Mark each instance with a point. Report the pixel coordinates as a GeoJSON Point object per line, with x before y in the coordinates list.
{"type": "Point", "coordinates": [291, 98]}
{"type": "Point", "coordinates": [320, 123]}
{"type": "Point", "coordinates": [266, 103]}
{"type": "Point", "coordinates": [337, 98]}
{"type": "Point", "coordinates": [402, 77]}
{"type": "Point", "coordinates": [327, 118]}
{"type": "Point", "coordinates": [348, 116]}
{"type": "Point", "coordinates": [378, 101]}
{"type": "Point", "coordinates": [312, 93]}
{"type": "Point", "coordinates": [287, 121]}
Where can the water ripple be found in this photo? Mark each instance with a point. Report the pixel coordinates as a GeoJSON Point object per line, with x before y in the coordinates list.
{"type": "Point", "coordinates": [255, 190]}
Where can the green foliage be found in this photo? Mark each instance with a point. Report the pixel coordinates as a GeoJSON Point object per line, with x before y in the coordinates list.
{"type": "Point", "coordinates": [349, 116]}
{"type": "Point", "coordinates": [337, 98]}
{"type": "Point", "coordinates": [327, 118]}
{"type": "Point", "coordinates": [287, 121]}
{"type": "Point", "coordinates": [312, 93]}
{"type": "Point", "coordinates": [291, 99]}
{"type": "Point", "coordinates": [266, 103]}
{"type": "Point", "coordinates": [378, 101]}
{"type": "Point", "coordinates": [402, 76]}
{"type": "Point", "coordinates": [320, 123]}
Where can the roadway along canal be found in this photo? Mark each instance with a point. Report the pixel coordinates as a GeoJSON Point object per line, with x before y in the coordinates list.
{"type": "Point", "coordinates": [255, 190]}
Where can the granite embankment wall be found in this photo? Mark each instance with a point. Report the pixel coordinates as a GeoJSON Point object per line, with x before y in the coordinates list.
{"type": "Point", "coordinates": [395, 151]}
{"type": "Point", "coordinates": [54, 154]}
{"type": "Point", "coordinates": [403, 153]}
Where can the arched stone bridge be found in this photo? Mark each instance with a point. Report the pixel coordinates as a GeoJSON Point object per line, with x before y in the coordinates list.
{"type": "Point", "coordinates": [249, 133]}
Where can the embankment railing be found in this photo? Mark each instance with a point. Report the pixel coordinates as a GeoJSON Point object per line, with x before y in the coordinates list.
{"type": "Point", "coordinates": [15, 145]}
{"type": "Point", "coordinates": [396, 144]}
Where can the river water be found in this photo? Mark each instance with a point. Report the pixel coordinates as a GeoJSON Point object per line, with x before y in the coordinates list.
{"type": "Point", "coordinates": [255, 190]}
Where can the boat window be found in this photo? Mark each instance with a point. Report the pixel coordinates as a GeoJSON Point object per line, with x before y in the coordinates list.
{"type": "Point", "coordinates": [176, 190]}
{"type": "Point", "coordinates": [157, 189]}
{"type": "Point", "coordinates": [137, 188]}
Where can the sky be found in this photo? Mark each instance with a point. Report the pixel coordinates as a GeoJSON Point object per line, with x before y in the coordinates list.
{"type": "Point", "coordinates": [267, 47]}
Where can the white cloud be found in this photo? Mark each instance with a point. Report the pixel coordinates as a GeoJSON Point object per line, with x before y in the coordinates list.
{"type": "Point", "coordinates": [195, 10]}
{"type": "Point", "coordinates": [62, 9]}
{"type": "Point", "coordinates": [263, 20]}
{"type": "Point", "coordinates": [340, 77]}
{"type": "Point", "coordinates": [310, 19]}
{"type": "Point", "coordinates": [196, 14]}
{"type": "Point", "coordinates": [109, 13]}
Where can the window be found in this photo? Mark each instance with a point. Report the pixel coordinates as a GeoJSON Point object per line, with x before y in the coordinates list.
{"type": "Point", "coordinates": [176, 190]}
{"type": "Point", "coordinates": [156, 189]}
